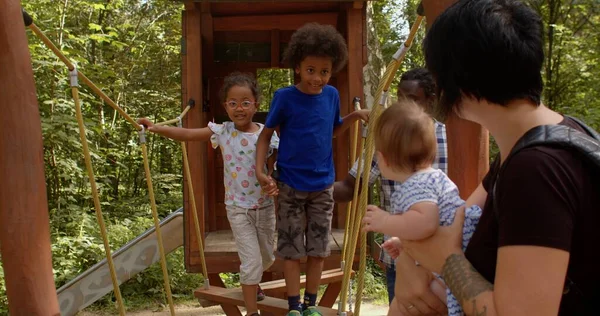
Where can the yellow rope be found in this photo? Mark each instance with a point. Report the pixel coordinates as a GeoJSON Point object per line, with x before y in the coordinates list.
{"type": "Point", "coordinates": [381, 97]}
{"type": "Point", "coordinates": [99, 217]}
{"type": "Point", "coordinates": [353, 147]}
{"type": "Point", "coordinates": [161, 249]}
{"type": "Point", "coordinates": [83, 78]}
{"type": "Point", "coordinates": [102, 95]}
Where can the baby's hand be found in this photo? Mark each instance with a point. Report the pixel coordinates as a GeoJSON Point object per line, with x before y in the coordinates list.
{"type": "Point", "coordinates": [147, 124]}
{"type": "Point", "coordinates": [393, 247]}
{"type": "Point", "coordinates": [374, 219]}
{"type": "Point", "coordinates": [268, 185]}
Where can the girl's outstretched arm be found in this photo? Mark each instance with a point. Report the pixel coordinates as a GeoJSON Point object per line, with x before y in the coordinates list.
{"type": "Point", "coordinates": [177, 133]}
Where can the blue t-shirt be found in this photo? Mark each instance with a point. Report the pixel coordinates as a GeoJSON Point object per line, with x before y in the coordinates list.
{"type": "Point", "coordinates": [306, 122]}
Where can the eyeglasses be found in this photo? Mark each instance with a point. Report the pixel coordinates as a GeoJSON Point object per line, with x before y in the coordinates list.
{"type": "Point", "coordinates": [234, 104]}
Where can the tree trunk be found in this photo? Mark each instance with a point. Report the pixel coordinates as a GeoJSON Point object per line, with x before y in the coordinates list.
{"type": "Point", "coordinates": [374, 69]}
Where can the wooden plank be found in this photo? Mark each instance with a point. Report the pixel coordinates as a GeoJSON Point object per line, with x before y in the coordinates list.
{"type": "Point", "coordinates": [223, 69]}
{"type": "Point", "coordinates": [208, 66]}
{"type": "Point", "coordinates": [331, 294]}
{"type": "Point", "coordinates": [234, 297]}
{"type": "Point", "coordinates": [327, 277]}
{"type": "Point", "coordinates": [222, 242]}
{"type": "Point", "coordinates": [272, 7]}
{"type": "Point", "coordinates": [270, 22]}
{"type": "Point", "coordinates": [229, 309]}
{"type": "Point", "coordinates": [275, 53]}
{"type": "Point", "coordinates": [468, 142]}
{"type": "Point", "coordinates": [194, 119]}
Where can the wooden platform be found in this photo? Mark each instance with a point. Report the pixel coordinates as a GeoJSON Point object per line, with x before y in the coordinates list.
{"type": "Point", "coordinates": [221, 242]}
{"type": "Point", "coordinates": [230, 297]}
{"type": "Point", "coordinates": [221, 253]}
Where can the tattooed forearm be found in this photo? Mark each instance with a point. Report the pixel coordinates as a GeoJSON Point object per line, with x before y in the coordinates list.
{"type": "Point", "coordinates": [465, 282]}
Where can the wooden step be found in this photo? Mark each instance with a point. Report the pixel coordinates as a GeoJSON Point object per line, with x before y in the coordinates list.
{"type": "Point", "coordinates": [327, 277]}
{"type": "Point", "coordinates": [234, 297]}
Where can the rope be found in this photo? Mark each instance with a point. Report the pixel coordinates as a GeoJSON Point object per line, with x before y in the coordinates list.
{"type": "Point", "coordinates": [97, 207]}
{"type": "Point", "coordinates": [353, 147]}
{"type": "Point", "coordinates": [141, 130]}
{"type": "Point", "coordinates": [161, 248]}
{"type": "Point", "coordinates": [382, 93]}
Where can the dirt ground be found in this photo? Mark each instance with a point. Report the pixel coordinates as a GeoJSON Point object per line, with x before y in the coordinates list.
{"type": "Point", "coordinates": [367, 309]}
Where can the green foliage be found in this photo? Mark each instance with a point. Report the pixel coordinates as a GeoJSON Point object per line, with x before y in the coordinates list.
{"type": "Point", "coordinates": [269, 80]}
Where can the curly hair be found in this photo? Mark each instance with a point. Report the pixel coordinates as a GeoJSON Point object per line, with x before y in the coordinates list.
{"type": "Point", "coordinates": [314, 39]}
{"type": "Point", "coordinates": [239, 79]}
{"type": "Point", "coordinates": [423, 77]}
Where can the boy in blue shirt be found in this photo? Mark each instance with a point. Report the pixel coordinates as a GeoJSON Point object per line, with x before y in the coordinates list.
{"type": "Point", "coordinates": [308, 116]}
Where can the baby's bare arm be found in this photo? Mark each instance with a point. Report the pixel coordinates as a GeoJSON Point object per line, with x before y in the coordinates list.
{"type": "Point", "coordinates": [419, 222]}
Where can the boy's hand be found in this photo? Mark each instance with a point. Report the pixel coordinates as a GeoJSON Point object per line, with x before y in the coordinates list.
{"type": "Point", "coordinates": [363, 115]}
{"type": "Point", "coordinates": [268, 184]}
{"type": "Point", "coordinates": [374, 219]}
{"type": "Point", "coordinates": [147, 123]}
{"type": "Point", "coordinates": [393, 247]}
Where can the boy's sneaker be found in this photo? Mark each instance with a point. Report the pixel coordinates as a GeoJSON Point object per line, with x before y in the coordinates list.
{"type": "Point", "coordinates": [260, 295]}
{"type": "Point", "coordinates": [311, 311]}
{"type": "Point", "coordinates": [293, 313]}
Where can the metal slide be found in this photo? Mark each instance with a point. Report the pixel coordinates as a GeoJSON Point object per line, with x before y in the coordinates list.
{"type": "Point", "coordinates": [129, 260]}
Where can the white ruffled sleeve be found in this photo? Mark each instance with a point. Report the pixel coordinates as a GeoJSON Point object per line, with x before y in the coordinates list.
{"type": "Point", "coordinates": [274, 145]}
{"type": "Point", "coordinates": [218, 130]}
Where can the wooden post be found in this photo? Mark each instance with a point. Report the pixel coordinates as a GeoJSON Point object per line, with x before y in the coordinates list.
{"type": "Point", "coordinates": [194, 119]}
{"type": "Point", "coordinates": [468, 142]}
{"type": "Point", "coordinates": [25, 231]}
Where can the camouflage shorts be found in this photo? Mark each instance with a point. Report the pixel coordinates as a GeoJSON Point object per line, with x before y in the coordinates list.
{"type": "Point", "coordinates": [303, 222]}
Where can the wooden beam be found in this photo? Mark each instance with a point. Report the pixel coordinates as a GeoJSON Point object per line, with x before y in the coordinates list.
{"type": "Point", "coordinates": [194, 119]}
{"type": "Point", "coordinates": [468, 142]}
{"type": "Point", "coordinates": [233, 297]}
{"type": "Point", "coordinates": [270, 22]}
{"type": "Point", "coordinates": [275, 51]}
{"type": "Point", "coordinates": [25, 232]}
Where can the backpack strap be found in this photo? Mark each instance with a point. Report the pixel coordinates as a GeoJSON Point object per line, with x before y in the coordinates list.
{"type": "Point", "coordinates": [586, 128]}
{"type": "Point", "coordinates": [560, 136]}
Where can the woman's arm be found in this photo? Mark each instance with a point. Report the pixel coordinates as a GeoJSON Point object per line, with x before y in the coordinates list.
{"type": "Point", "coordinates": [478, 197]}
{"type": "Point", "coordinates": [529, 281]}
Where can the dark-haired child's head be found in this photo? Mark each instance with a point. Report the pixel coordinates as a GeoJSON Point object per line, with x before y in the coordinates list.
{"type": "Point", "coordinates": [488, 50]}
{"type": "Point", "coordinates": [404, 139]}
{"type": "Point", "coordinates": [417, 84]}
{"type": "Point", "coordinates": [315, 52]}
{"type": "Point", "coordinates": [240, 97]}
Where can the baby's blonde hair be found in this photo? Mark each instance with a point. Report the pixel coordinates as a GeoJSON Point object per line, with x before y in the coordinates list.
{"type": "Point", "coordinates": [405, 136]}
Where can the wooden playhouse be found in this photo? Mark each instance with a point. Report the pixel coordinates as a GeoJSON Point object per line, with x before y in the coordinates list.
{"type": "Point", "coordinates": [224, 36]}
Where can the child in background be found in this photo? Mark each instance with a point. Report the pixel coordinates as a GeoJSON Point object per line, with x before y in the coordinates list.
{"type": "Point", "coordinates": [426, 198]}
{"type": "Point", "coordinates": [308, 115]}
{"type": "Point", "coordinates": [251, 211]}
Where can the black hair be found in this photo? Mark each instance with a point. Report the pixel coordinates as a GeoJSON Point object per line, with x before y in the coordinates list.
{"type": "Point", "coordinates": [486, 49]}
{"type": "Point", "coordinates": [423, 77]}
{"type": "Point", "coordinates": [314, 39]}
{"type": "Point", "coordinates": [239, 79]}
